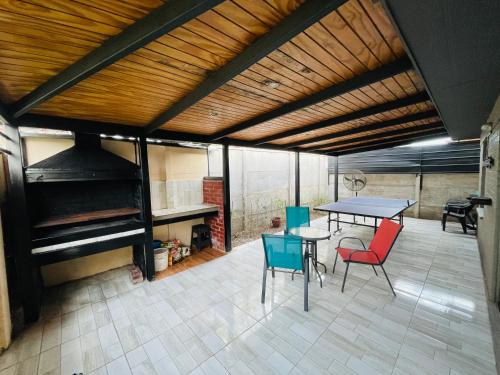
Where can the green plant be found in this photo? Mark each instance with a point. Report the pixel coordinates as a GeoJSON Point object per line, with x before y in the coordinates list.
{"type": "Point", "coordinates": [280, 204]}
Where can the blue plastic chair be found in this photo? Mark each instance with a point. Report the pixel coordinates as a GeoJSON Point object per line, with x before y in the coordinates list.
{"type": "Point", "coordinates": [285, 253]}
{"type": "Point", "coordinates": [297, 216]}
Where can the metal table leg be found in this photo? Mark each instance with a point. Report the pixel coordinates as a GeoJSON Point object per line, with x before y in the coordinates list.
{"type": "Point", "coordinates": [314, 260]}
{"type": "Point", "coordinates": [339, 229]}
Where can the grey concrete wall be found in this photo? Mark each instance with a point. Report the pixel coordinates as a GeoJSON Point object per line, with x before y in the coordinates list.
{"type": "Point", "coordinates": [263, 183]}
{"type": "Point", "coordinates": [489, 231]}
{"type": "Point", "coordinates": [384, 185]}
{"type": "Point", "coordinates": [436, 190]}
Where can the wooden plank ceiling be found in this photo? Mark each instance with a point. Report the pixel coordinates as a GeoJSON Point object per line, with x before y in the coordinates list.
{"type": "Point", "coordinates": [39, 39]}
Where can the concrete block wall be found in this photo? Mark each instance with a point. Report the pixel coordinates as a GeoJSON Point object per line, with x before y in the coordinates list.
{"type": "Point", "coordinates": [213, 193]}
{"type": "Point", "coordinates": [436, 190]}
{"type": "Point", "coordinates": [263, 183]}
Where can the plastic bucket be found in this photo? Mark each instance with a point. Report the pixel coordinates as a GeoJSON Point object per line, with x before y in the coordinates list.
{"type": "Point", "coordinates": [161, 259]}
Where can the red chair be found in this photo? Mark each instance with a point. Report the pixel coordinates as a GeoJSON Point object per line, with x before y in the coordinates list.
{"type": "Point", "coordinates": [377, 252]}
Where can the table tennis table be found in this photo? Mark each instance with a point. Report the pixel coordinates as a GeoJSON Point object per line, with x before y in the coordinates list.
{"type": "Point", "coordinates": [373, 207]}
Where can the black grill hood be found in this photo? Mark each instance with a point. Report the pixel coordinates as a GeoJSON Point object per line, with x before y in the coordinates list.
{"type": "Point", "coordinates": [85, 161]}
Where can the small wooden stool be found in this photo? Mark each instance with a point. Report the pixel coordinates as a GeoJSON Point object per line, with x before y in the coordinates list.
{"type": "Point", "coordinates": [201, 236]}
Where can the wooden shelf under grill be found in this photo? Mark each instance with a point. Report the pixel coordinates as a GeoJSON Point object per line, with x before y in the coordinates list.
{"type": "Point", "coordinates": [87, 216]}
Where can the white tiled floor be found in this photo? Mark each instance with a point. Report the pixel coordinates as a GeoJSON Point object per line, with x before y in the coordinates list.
{"type": "Point", "coordinates": [209, 319]}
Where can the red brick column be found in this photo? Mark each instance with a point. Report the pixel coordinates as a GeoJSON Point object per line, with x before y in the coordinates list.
{"type": "Point", "coordinates": [213, 193]}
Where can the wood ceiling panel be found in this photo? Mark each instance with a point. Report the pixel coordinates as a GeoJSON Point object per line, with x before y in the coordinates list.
{"type": "Point", "coordinates": [193, 51]}
{"type": "Point", "coordinates": [356, 38]}
{"type": "Point", "coordinates": [338, 106]}
{"type": "Point", "coordinates": [421, 124]}
{"type": "Point", "coordinates": [343, 44]}
{"type": "Point", "coordinates": [363, 121]}
{"type": "Point", "coordinates": [58, 32]}
{"type": "Point", "coordinates": [409, 129]}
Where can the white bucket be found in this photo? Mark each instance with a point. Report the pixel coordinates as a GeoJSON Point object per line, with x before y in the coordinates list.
{"type": "Point", "coordinates": [161, 259]}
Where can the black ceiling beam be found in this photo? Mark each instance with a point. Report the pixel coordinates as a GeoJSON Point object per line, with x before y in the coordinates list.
{"type": "Point", "coordinates": [388, 145]}
{"type": "Point", "coordinates": [389, 106]}
{"type": "Point", "coordinates": [404, 131]}
{"type": "Point", "coordinates": [77, 125]}
{"type": "Point", "coordinates": [397, 141]}
{"type": "Point", "coordinates": [394, 105]}
{"type": "Point", "coordinates": [306, 15]}
{"type": "Point", "coordinates": [97, 127]}
{"type": "Point", "coordinates": [372, 76]}
{"type": "Point", "coordinates": [364, 128]}
{"type": "Point", "coordinates": [242, 143]}
{"type": "Point", "coordinates": [157, 23]}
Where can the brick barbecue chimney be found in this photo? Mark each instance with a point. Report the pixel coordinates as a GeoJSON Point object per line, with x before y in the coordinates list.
{"type": "Point", "coordinates": [213, 193]}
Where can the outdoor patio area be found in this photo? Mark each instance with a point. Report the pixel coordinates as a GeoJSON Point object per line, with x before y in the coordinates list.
{"type": "Point", "coordinates": [209, 319]}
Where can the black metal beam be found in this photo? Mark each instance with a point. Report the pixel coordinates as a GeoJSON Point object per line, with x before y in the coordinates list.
{"type": "Point", "coordinates": [389, 106]}
{"type": "Point", "coordinates": [157, 23]}
{"type": "Point", "coordinates": [364, 128]}
{"type": "Point", "coordinates": [89, 249]}
{"type": "Point", "coordinates": [431, 126]}
{"type": "Point", "coordinates": [297, 178]}
{"type": "Point", "coordinates": [227, 197]}
{"type": "Point", "coordinates": [336, 178]}
{"type": "Point", "coordinates": [77, 125]}
{"type": "Point", "coordinates": [18, 234]}
{"type": "Point", "coordinates": [307, 14]}
{"type": "Point", "coordinates": [385, 71]}
{"type": "Point", "coordinates": [147, 215]}
{"type": "Point", "coordinates": [389, 144]}
{"type": "Point", "coordinates": [97, 127]}
{"type": "Point", "coordinates": [241, 143]}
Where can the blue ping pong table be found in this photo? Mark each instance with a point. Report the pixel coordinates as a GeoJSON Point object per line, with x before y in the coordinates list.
{"type": "Point", "coordinates": [372, 207]}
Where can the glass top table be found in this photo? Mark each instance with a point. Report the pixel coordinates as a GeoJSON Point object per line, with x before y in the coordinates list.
{"type": "Point", "coordinates": [311, 236]}
{"type": "Point", "coordinates": [311, 233]}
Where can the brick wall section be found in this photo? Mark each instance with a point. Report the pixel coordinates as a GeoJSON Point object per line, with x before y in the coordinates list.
{"type": "Point", "coordinates": [213, 193]}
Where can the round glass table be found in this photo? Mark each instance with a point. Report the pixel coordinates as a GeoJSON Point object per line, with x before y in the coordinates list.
{"type": "Point", "coordinates": [311, 236]}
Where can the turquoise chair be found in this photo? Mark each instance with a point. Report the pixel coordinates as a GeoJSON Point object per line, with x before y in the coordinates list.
{"type": "Point", "coordinates": [284, 252]}
{"type": "Point", "coordinates": [297, 216]}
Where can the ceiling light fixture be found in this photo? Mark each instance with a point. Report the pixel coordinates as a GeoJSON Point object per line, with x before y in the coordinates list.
{"type": "Point", "coordinates": [272, 84]}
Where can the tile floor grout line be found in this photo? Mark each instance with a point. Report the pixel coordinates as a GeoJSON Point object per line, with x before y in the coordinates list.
{"type": "Point", "coordinates": [416, 304]}
{"type": "Point", "coordinates": [307, 351]}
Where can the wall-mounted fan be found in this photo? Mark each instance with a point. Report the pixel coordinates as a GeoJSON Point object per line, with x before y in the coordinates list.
{"type": "Point", "coordinates": [354, 180]}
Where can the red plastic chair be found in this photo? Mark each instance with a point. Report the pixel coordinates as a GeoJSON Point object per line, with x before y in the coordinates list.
{"type": "Point", "coordinates": [377, 252]}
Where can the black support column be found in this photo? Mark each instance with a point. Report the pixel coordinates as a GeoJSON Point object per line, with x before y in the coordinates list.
{"type": "Point", "coordinates": [297, 178]}
{"type": "Point", "coordinates": [19, 230]}
{"type": "Point", "coordinates": [336, 177]}
{"type": "Point", "coordinates": [146, 211]}
{"type": "Point", "coordinates": [227, 197]}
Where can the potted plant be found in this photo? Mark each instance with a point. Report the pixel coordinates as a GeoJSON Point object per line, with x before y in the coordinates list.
{"type": "Point", "coordinates": [276, 220]}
